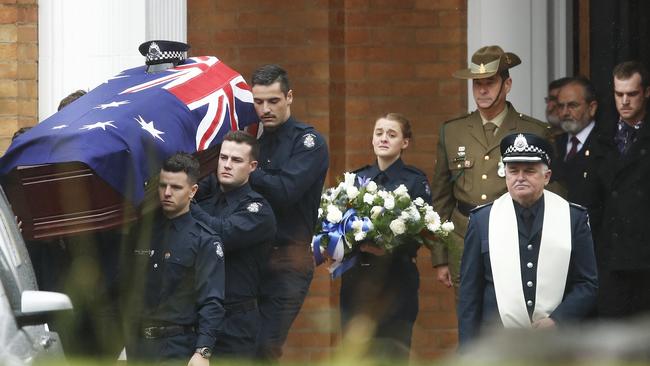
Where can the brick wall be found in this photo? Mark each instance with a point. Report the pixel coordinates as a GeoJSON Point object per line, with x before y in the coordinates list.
{"type": "Point", "coordinates": [349, 61]}
{"type": "Point", "coordinates": [18, 67]}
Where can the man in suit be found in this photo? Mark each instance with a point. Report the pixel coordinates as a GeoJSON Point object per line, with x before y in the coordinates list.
{"type": "Point", "coordinates": [552, 114]}
{"type": "Point", "coordinates": [468, 170]}
{"type": "Point", "coordinates": [622, 246]}
{"type": "Point", "coordinates": [529, 258]}
{"type": "Point", "coordinates": [576, 107]}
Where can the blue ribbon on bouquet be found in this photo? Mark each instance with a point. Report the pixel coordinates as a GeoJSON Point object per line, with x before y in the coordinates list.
{"type": "Point", "coordinates": [335, 248]}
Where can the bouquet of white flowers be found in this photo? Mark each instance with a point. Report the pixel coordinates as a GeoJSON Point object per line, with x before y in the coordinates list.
{"type": "Point", "coordinates": [358, 210]}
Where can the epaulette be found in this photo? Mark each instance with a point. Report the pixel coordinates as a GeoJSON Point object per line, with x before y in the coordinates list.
{"type": "Point", "coordinates": [580, 207]}
{"type": "Point", "coordinates": [459, 117]}
{"type": "Point", "coordinates": [534, 120]}
{"type": "Point", "coordinates": [414, 170]}
{"type": "Point", "coordinates": [480, 207]}
{"type": "Point", "coordinates": [210, 230]}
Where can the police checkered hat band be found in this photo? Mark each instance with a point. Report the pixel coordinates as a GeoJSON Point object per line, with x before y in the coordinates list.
{"type": "Point", "coordinates": [525, 148]}
{"type": "Point", "coordinates": [157, 52]}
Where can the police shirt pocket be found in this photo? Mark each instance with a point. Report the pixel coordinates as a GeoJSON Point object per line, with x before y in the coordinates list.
{"type": "Point", "coordinates": [177, 270]}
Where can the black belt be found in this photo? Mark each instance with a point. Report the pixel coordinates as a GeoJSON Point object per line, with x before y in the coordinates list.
{"type": "Point", "coordinates": [166, 331]}
{"type": "Point", "coordinates": [241, 307]}
{"type": "Point", "coordinates": [464, 207]}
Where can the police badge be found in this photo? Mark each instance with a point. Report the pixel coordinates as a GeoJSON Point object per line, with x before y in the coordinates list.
{"type": "Point", "coordinates": [309, 140]}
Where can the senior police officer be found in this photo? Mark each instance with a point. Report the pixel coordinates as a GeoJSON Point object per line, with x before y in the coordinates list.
{"type": "Point", "coordinates": [529, 258]}
{"type": "Point", "coordinates": [468, 170]}
{"type": "Point", "coordinates": [244, 220]}
{"type": "Point", "coordinates": [184, 279]}
{"type": "Point", "coordinates": [292, 167]}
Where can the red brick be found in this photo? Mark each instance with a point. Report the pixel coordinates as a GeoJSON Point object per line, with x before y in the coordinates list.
{"type": "Point", "coordinates": [8, 51]}
{"type": "Point", "coordinates": [8, 33]}
{"type": "Point", "coordinates": [436, 70]}
{"type": "Point", "coordinates": [440, 36]}
{"type": "Point", "coordinates": [8, 70]}
{"type": "Point", "coordinates": [27, 52]}
{"type": "Point", "coordinates": [441, 4]}
{"type": "Point", "coordinates": [27, 33]}
{"type": "Point", "coordinates": [8, 14]}
{"type": "Point", "coordinates": [27, 14]}
{"type": "Point", "coordinates": [8, 89]}
{"type": "Point", "coordinates": [390, 36]}
{"type": "Point", "coordinates": [356, 36]}
{"type": "Point", "coordinates": [452, 19]}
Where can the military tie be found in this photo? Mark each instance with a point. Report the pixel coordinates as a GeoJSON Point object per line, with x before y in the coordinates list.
{"type": "Point", "coordinates": [489, 129]}
{"type": "Point", "coordinates": [574, 148]}
{"type": "Point", "coordinates": [381, 179]}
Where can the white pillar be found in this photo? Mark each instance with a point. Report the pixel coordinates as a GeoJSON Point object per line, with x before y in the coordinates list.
{"type": "Point", "coordinates": [84, 42]}
{"type": "Point", "coordinates": [522, 27]}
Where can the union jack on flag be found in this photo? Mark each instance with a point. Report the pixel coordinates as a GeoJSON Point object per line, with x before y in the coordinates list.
{"type": "Point", "coordinates": [125, 128]}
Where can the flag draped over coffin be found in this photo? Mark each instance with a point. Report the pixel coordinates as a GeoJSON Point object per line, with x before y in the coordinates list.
{"type": "Point", "coordinates": [125, 128]}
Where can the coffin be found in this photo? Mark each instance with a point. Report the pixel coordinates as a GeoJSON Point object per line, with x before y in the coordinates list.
{"type": "Point", "coordinates": [94, 165]}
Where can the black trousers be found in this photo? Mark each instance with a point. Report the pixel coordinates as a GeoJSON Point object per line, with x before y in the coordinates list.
{"type": "Point", "coordinates": [384, 292]}
{"type": "Point", "coordinates": [238, 338]}
{"type": "Point", "coordinates": [174, 350]}
{"type": "Point", "coordinates": [285, 283]}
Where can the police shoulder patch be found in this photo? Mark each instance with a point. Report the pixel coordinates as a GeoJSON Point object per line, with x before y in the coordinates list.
{"type": "Point", "coordinates": [254, 207]}
{"type": "Point", "coordinates": [218, 249]}
{"type": "Point", "coordinates": [309, 140]}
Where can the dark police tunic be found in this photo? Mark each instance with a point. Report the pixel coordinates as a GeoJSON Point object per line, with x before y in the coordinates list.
{"type": "Point", "coordinates": [245, 222]}
{"type": "Point", "coordinates": [386, 287]}
{"type": "Point", "coordinates": [184, 291]}
{"type": "Point", "coordinates": [477, 304]}
{"type": "Point", "coordinates": [292, 167]}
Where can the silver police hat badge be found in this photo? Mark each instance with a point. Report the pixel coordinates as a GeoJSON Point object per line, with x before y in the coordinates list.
{"type": "Point", "coordinates": [309, 140]}
{"type": "Point", "coordinates": [253, 207]}
{"type": "Point", "coordinates": [219, 249]}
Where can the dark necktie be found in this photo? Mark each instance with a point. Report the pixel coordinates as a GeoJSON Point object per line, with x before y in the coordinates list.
{"type": "Point", "coordinates": [381, 179]}
{"type": "Point", "coordinates": [527, 218]}
{"type": "Point", "coordinates": [624, 137]}
{"type": "Point", "coordinates": [489, 129]}
{"type": "Point", "coordinates": [574, 148]}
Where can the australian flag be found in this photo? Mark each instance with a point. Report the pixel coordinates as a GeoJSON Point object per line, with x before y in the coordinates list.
{"type": "Point", "coordinates": [125, 128]}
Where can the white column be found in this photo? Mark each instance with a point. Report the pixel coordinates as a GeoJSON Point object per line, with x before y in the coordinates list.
{"type": "Point", "coordinates": [521, 27]}
{"type": "Point", "coordinates": [84, 42]}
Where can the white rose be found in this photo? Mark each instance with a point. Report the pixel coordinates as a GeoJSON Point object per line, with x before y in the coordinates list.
{"type": "Point", "coordinates": [352, 192]}
{"type": "Point", "coordinates": [349, 178]}
{"type": "Point", "coordinates": [397, 226]}
{"type": "Point", "coordinates": [389, 203]}
{"type": "Point", "coordinates": [359, 235]}
{"type": "Point", "coordinates": [375, 211]}
{"type": "Point", "coordinates": [405, 215]}
{"type": "Point", "coordinates": [357, 225]}
{"type": "Point", "coordinates": [432, 217]}
{"type": "Point", "coordinates": [433, 227]}
{"type": "Point", "coordinates": [413, 213]}
{"type": "Point", "coordinates": [368, 198]}
{"type": "Point", "coordinates": [401, 190]}
{"type": "Point", "coordinates": [334, 215]}
{"type": "Point", "coordinates": [383, 194]}
{"type": "Point", "coordinates": [320, 213]}
{"type": "Point", "coordinates": [418, 202]}
{"type": "Point", "coordinates": [448, 226]}
{"type": "Point", "coordinates": [371, 187]}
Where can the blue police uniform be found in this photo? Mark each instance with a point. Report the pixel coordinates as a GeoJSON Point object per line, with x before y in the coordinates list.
{"type": "Point", "coordinates": [386, 287]}
{"type": "Point", "coordinates": [244, 220]}
{"type": "Point", "coordinates": [292, 167]}
{"type": "Point", "coordinates": [477, 305]}
{"type": "Point", "coordinates": [183, 293]}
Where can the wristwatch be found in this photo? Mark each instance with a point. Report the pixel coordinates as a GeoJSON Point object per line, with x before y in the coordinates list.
{"type": "Point", "coordinates": [205, 352]}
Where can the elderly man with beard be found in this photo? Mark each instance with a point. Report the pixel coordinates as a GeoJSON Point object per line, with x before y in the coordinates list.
{"type": "Point", "coordinates": [576, 107]}
{"type": "Point", "coordinates": [552, 111]}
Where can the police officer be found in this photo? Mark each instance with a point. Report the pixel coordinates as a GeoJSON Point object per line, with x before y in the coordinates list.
{"type": "Point", "coordinates": [293, 161]}
{"type": "Point", "coordinates": [383, 287]}
{"type": "Point", "coordinates": [245, 222]}
{"type": "Point", "coordinates": [468, 170]}
{"type": "Point", "coordinates": [184, 280]}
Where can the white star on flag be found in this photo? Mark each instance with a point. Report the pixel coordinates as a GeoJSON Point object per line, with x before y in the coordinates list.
{"type": "Point", "coordinates": [101, 125]}
{"type": "Point", "coordinates": [115, 77]}
{"type": "Point", "coordinates": [149, 127]}
{"type": "Point", "coordinates": [59, 127]}
{"type": "Point", "coordinates": [112, 104]}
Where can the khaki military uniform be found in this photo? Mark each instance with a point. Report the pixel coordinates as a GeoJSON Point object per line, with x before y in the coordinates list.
{"type": "Point", "coordinates": [467, 174]}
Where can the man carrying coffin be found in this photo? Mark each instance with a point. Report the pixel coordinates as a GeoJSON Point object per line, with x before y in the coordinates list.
{"type": "Point", "coordinates": [529, 258]}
